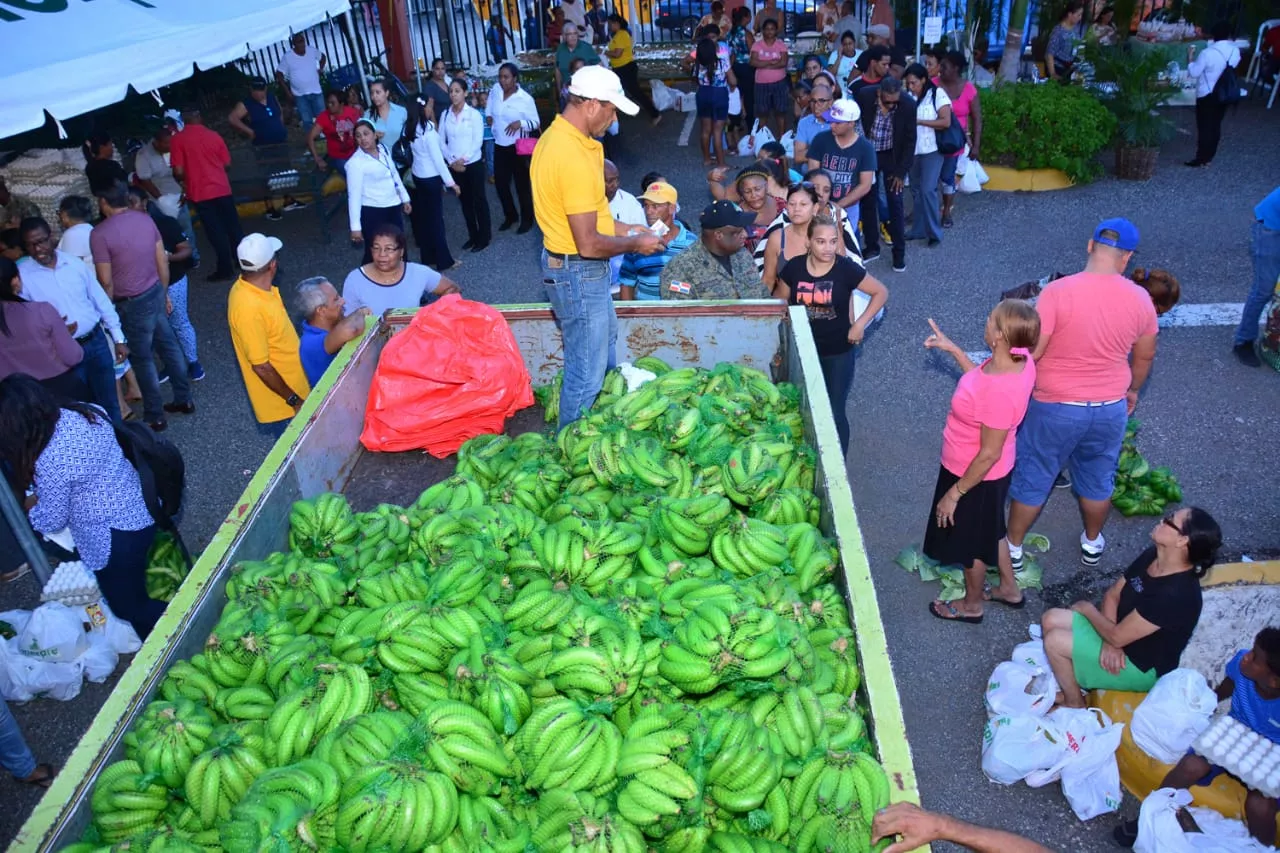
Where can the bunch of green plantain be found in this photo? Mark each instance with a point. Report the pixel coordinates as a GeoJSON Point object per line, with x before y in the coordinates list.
{"type": "Point", "coordinates": [620, 638]}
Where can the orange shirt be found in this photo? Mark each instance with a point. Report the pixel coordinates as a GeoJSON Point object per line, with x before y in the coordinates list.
{"type": "Point", "coordinates": [1092, 322]}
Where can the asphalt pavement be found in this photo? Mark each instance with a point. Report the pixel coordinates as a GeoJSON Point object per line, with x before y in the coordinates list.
{"type": "Point", "coordinates": [1211, 420]}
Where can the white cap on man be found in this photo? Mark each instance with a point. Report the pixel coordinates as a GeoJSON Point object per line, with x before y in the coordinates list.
{"type": "Point", "coordinates": [256, 251]}
{"type": "Point", "coordinates": [598, 83]}
{"type": "Point", "coordinates": [843, 109]}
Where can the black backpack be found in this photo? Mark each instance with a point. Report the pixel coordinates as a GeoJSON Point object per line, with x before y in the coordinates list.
{"type": "Point", "coordinates": [161, 472]}
{"type": "Point", "coordinates": [1227, 89]}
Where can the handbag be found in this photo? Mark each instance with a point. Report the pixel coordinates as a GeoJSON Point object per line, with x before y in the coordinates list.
{"type": "Point", "coordinates": [951, 140]}
{"type": "Point", "coordinates": [525, 144]}
{"type": "Point", "coordinates": [1227, 89]}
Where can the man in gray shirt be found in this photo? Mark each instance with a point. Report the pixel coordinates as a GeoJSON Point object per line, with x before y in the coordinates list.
{"type": "Point", "coordinates": [848, 23]}
{"type": "Point", "coordinates": [151, 164]}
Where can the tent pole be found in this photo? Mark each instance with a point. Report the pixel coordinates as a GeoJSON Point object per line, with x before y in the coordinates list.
{"type": "Point", "coordinates": [919, 26]}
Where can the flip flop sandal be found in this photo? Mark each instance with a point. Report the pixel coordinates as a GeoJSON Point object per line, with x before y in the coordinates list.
{"type": "Point", "coordinates": [1014, 605]}
{"type": "Point", "coordinates": [18, 573]}
{"type": "Point", "coordinates": [956, 615]}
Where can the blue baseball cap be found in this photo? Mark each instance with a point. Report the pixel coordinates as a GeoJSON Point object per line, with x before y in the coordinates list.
{"type": "Point", "coordinates": [1119, 233]}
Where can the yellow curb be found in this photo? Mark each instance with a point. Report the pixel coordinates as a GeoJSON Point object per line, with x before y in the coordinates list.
{"type": "Point", "coordinates": [1006, 180]}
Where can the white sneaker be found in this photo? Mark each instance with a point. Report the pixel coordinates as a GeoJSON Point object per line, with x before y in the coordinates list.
{"type": "Point", "coordinates": [1015, 556]}
{"type": "Point", "coordinates": [1091, 552]}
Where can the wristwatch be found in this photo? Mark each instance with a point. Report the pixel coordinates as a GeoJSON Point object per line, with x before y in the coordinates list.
{"type": "Point", "coordinates": [293, 400]}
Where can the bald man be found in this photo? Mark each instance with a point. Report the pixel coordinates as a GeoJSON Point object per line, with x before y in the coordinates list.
{"type": "Point", "coordinates": [625, 208]}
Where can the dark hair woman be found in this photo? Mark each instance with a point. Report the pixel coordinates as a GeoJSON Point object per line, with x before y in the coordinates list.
{"type": "Point", "coordinates": [967, 524]}
{"type": "Point", "coordinates": [824, 282]}
{"type": "Point", "coordinates": [1146, 618]}
{"type": "Point", "coordinates": [756, 190]}
{"type": "Point", "coordinates": [375, 193]}
{"type": "Point", "coordinates": [713, 73]}
{"type": "Point", "coordinates": [622, 61]}
{"type": "Point", "coordinates": [792, 238]}
{"type": "Point", "coordinates": [513, 115]}
{"type": "Point", "coordinates": [67, 453]}
{"type": "Point", "coordinates": [739, 39]}
{"type": "Point", "coordinates": [100, 165]}
{"type": "Point", "coordinates": [462, 132]}
{"type": "Point", "coordinates": [967, 107]}
{"type": "Point", "coordinates": [34, 340]}
{"type": "Point", "coordinates": [1060, 52]}
{"type": "Point", "coordinates": [1162, 285]}
{"type": "Point", "coordinates": [933, 113]}
{"type": "Point", "coordinates": [386, 116]}
{"type": "Point", "coordinates": [431, 176]}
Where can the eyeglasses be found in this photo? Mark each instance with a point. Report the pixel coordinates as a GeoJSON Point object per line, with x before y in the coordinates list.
{"type": "Point", "coordinates": [1168, 521]}
{"type": "Point", "coordinates": [385, 250]}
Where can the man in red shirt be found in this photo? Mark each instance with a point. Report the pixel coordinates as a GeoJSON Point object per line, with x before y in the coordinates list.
{"type": "Point", "coordinates": [199, 159]}
{"type": "Point", "coordinates": [338, 124]}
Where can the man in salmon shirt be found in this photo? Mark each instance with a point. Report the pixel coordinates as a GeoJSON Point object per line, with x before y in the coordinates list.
{"type": "Point", "coordinates": [1086, 387]}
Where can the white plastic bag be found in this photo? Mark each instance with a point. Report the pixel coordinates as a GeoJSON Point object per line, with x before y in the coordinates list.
{"type": "Point", "coordinates": [1075, 724]}
{"type": "Point", "coordinates": [17, 619]}
{"type": "Point", "coordinates": [55, 633]}
{"type": "Point", "coordinates": [664, 97]}
{"type": "Point", "coordinates": [1159, 831]}
{"type": "Point", "coordinates": [1174, 714]}
{"type": "Point", "coordinates": [25, 678]}
{"type": "Point", "coordinates": [788, 141]}
{"type": "Point", "coordinates": [983, 177]}
{"type": "Point", "coordinates": [120, 636]}
{"type": "Point", "coordinates": [969, 183]}
{"type": "Point", "coordinates": [1091, 782]}
{"type": "Point", "coordinates": [1013, 747]}
{"type": "Point", "coordinates": [762, 136]}
{"type": "Point", "coordinates": [1016, 689]}
{"type": "Point", "coordinates": [747, 144]}
{"type": "Point", "coordinates": [99, 660]}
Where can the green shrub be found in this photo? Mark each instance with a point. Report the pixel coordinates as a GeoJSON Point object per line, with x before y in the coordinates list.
{"type": "Point", "coordinates": [1045, 126]}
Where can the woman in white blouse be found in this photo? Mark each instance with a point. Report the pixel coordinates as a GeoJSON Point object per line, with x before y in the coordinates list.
{"type": "Point", "coordinates": [375, 193]}
{"type": "Point", "coordinates": [462, 130]}
{"type": "Point", "coordinates": [933, 113]}
{"type": "Point", "coordinates": [513, 114]}
{"type": "Point", "coordinates": [431, 176]}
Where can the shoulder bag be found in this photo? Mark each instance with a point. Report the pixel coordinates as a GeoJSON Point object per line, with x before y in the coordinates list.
{"type": "Point", "coordinates": [1227, 89]}
{"type": "Point", "coordinates": [950, 140]}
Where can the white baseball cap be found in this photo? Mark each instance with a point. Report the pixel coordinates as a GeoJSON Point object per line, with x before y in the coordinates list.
{"type": "Point", "coordinates": [256, 251]}
{"type": "Point", "coordinates": [843, 109]}
{"type": "Point", "coordinates": [600, 84]}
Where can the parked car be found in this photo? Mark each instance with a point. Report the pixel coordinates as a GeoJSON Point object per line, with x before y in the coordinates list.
{"type": "Point", "coordinates": [680, 17]}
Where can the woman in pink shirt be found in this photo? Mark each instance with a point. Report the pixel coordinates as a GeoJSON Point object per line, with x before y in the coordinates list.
{"type": "Point", "coordinates": [968, 111]}
{"type": "Point", "coordinates": [967, 527]}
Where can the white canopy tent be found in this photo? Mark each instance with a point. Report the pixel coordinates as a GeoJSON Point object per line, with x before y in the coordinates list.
{"type": "Point", "coordinates": [73, 56]}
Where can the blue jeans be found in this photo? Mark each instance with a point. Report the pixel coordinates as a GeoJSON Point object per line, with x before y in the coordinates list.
{"type": "Point", "coordinates": [837, 372]}
{"type": "Point", "coordinates": [145, 326]}
{"type": "Point", "coordinates": [1264, 248]}
{"type": "Point", "coordinates": [184, 222]}
{"type": "Point", "coordinates": [579, 293]}
{"type": "Point", "coordinates": [309, 106]}
{"type": "Point", "coordinates": [1083, 439]}
{"type": "Point", "coordinates": [927, 222]}
{"type": "Point", "coordinates": [15, 755]}
{"type": "Point", "coordinates": [948, 176]}
{"type": "Point", "coordinates": [181, 323]}
{"type": "Point", "coordinates": [97, 371]}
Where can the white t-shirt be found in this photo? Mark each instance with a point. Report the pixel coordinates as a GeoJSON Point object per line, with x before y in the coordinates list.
{"type": "Point", "coordinates": [927, 137]}
{"type": "Point", "coordinates": [360, 291]}
{"type": "Point", "coordinates": [627, 209]}
{"type": "Point", "coordinates": [302, 72]}
{"type": "Point", "coordinates": [1209, 64]}
{"type": "Point", "coordinates": [153, 166]}
{"type": "Point", "coordinates": [75, 241]}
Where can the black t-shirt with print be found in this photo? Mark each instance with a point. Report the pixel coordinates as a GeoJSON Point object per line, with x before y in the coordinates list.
{"type": "Point", "coordinates": [1171, 602]}
{"type": "Point", "coordinates": [845, 165]}
{"type": "Point", "coordinates": [826, 298]}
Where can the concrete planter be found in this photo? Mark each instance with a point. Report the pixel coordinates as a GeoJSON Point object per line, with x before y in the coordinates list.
{"type": "Point", "coordinates": [1007, 180]}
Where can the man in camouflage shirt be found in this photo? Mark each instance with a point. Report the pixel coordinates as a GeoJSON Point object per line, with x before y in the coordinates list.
{"type": "Point", "coordinates": [718, 266]}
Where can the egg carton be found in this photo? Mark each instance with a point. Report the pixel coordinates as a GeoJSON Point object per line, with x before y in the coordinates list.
{"type": "Point", "coordinates": [1242, 752]}
{"type": "Point", "coordinates": [72, 584]}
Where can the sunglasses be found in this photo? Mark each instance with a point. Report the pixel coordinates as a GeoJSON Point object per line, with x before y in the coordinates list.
{"type": "Point", "coordinates": [1168, 521]}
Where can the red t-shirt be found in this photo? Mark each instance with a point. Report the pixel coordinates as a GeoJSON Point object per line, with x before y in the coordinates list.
{"type": "Point", "coordinates": [994, 401]}
{"type": "Point", "coordinates": [203, 157]}
{"type": "Point", "coordinates": [1092, 322]}
{"type": "Point", "coordinates": [339, 131]}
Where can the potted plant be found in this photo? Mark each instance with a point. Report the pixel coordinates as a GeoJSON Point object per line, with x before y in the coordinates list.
{"type": "Point", "coordinates": [1132, 87]}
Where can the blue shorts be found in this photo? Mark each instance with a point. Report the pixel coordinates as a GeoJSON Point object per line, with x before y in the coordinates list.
{"type": "Point", "coordinates": [948, 176]}
{"type": "Point", "coordinates": [712, 102]}
{"type": "Point", "coordinates": [1083, 439]}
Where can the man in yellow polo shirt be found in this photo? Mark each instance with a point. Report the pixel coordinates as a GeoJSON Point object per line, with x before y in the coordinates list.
{"type": "Point", "coordinates": [579, 235]}
{"type": "Point", "coordinates": [265, 341]}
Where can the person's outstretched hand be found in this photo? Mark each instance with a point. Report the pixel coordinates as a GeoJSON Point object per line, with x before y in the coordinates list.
{"type": "Point", "coordinates": [916, 826]}
{"type": "Point", "coordinates": [938, 340]}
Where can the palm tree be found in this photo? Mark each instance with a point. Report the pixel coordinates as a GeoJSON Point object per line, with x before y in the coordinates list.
{"type": "Point", "coordinates": [1011, 60]}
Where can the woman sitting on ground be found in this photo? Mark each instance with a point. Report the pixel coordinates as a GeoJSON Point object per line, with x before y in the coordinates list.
{"type": "Point", "coordinates": [1147, 616]}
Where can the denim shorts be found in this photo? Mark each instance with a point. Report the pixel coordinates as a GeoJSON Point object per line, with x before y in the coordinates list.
{"type": "Point", "coordinates": [1084, 439]}
{"type": "Point", "coordinates": [712, 102]}
{"type": "Point", "coordinates": [948, 176]}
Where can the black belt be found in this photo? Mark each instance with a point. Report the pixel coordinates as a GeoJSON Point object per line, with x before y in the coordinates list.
{"type": "Point", "coordinates": [571, 256]}
{"type": "Point", "coordinates": [85, 337]}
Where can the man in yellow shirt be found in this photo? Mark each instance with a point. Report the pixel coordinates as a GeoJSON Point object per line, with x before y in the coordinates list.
{"type": "Point", "coordinates": [579, 235]}
{"type": "Point", "coordinates": [265, 341]}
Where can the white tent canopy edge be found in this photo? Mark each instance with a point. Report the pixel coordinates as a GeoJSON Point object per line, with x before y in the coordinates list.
{"type": "Point", "coordinates": [73, 56]}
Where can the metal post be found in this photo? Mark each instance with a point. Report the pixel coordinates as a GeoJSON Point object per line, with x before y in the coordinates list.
{"type": "Point", "coordinates": [27, 541]}
{"type": "Point", "coordinates": [360, 59]}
